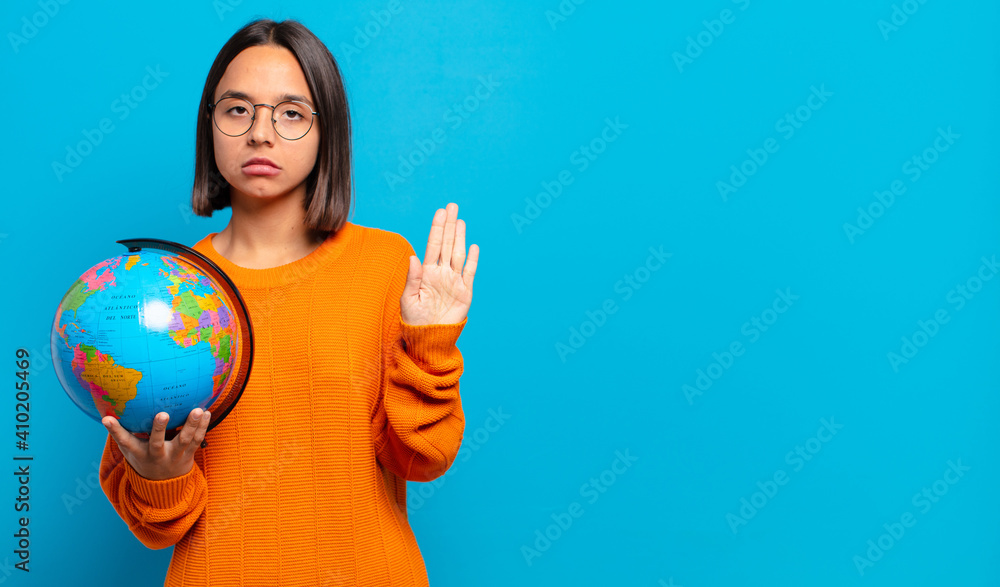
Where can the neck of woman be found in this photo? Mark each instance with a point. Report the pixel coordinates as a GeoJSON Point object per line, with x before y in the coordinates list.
{"type": "Point", "coordinates": [267, 232]}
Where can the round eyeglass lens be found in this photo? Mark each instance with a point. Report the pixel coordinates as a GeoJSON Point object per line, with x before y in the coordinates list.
{"type": "Point", "coordinates": [292, 120]}
{"type": "Point", "coordinates": [233, 116]}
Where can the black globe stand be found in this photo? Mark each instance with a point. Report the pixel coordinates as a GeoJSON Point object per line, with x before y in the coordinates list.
{"type": "Point", "coordinates": [221, 408]}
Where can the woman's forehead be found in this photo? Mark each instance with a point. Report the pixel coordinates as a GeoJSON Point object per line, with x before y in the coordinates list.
{"type": "Point", "coordinates": [264, 73]}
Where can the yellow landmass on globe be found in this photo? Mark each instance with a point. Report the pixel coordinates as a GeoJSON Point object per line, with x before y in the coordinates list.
{"type": "Point", "coordinates": [111, 385]}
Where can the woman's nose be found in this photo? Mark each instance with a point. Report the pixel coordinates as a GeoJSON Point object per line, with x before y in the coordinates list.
{"type": "Point", "coordinates": [262, 129]}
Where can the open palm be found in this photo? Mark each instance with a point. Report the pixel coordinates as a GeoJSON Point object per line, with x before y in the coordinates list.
{"type": "Point", "coordinates": [439, 291]}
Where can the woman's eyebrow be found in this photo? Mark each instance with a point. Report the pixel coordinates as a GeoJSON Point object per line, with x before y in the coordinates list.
{"type": "Point", "coordinates": [281, 98]}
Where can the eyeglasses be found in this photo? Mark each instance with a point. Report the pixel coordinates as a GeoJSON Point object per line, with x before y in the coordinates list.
{"type": "Point", "coordinates": [235, 116]}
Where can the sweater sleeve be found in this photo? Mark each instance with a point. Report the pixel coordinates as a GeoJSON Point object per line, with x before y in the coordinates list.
{"type": "Point", "coordinates": [158, 512]}
{"type": "Point", "coordinates": [418, 422]}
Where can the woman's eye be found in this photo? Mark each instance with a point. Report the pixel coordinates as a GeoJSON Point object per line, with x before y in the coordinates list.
{"type": "Point", "coordinates": [294, 115]}
{"type": "Point", "coordinates": [237, 110]}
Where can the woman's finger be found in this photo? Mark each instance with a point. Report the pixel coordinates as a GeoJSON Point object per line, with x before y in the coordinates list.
{"type": "Point", "coordinates": [470, 266]}
{"type": "Point", "coordinates": [206, 418]}
{"type": "Point", "coordinates": [157, 446]}
{"type": "Point", "coordinates": [414, 275]}
{"type": "Point", "coordinates": [199, 435]}
{"type": "Point", "coordinates": [190, 426]}
{"type": "Point", "coordinates": [433, 252]}
{"type": "Point", "coordinates": [127, 443]}
{"type": "Point", "coordinates": [448, 240]}
{"type": "Point", "coordinates": [458, 256]}
{"type": "Point", "coordinates": [197, 439]}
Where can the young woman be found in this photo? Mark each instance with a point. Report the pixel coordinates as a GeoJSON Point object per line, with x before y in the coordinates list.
{"type": "Point", "coordinates": [355, 382]}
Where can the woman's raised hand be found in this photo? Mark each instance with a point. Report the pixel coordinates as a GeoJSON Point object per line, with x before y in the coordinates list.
{"type": "Point", "coordinates": [439, 291]}
{"type": "Point", "coordinates": [158, 458]}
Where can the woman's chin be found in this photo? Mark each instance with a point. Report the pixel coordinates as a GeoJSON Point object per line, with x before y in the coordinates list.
{"type": "Point", "coordinates": [260, 191]}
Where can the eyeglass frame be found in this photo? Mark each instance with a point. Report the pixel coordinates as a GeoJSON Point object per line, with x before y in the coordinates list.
{"type": "Point", "coordinates": [274, 123]}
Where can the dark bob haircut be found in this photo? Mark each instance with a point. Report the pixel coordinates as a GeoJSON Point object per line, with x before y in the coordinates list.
{"type": "Point", "coordinates": [328, 187]}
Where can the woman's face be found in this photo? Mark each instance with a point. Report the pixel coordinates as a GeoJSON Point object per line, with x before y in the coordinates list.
{"type": "Point", "coordinates": [268, 75]}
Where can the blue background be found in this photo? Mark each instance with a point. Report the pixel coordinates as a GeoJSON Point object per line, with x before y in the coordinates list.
{"type": "Point", "coordinates": [673, 517]}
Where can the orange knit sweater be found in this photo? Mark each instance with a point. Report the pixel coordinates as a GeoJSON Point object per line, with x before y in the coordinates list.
{"type": "Point", "coordinates": [303, 483]}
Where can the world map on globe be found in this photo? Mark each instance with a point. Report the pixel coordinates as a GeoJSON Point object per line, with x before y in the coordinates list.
{"type": "Point", "coordinates": [143, 333]}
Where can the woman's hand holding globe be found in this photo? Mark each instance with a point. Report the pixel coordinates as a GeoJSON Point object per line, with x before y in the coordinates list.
{"type": "Point", "coordinates": [158, 458]}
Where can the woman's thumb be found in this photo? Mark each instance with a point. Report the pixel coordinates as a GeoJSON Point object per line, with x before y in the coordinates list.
{"type": "Point", "coordinates": [413, 276]}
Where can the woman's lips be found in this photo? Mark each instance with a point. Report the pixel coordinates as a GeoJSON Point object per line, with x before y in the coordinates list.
{"type": "Point", "coordinates": [260, 166]}
{"type": "Point", "coordinates": [260, 169]}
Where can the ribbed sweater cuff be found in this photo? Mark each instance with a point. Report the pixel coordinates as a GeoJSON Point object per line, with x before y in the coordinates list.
{"type": "Point", "coordinates": [160, 493]}
{"type": "Point", "coordinates": [431, 344]}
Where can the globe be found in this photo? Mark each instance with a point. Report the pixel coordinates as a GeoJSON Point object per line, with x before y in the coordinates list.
{"type": "Point", "coordinates": [159, 329]}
